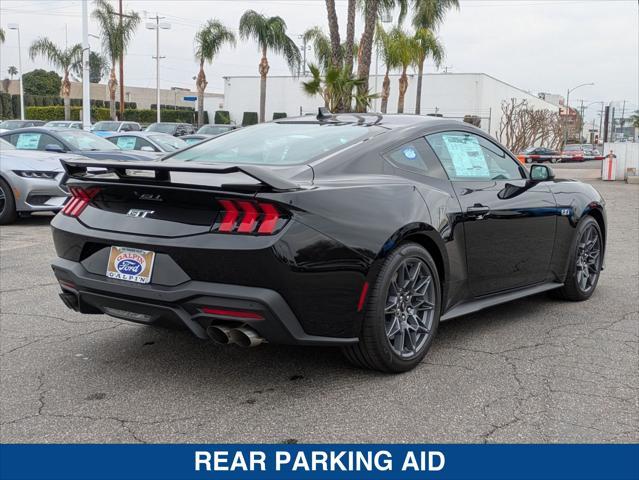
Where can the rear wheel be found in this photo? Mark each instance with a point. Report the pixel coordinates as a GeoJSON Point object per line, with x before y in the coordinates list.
{"type": "Point", "coordinates": [402, 313]}
{"type": "Point", "coordinates": [585, 263]}
{"type": "Point", "coordinates": [7, 204]}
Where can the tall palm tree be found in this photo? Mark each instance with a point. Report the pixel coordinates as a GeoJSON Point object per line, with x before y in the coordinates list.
{"type": "Point", "coordinates": [270, 34]}
{"type": "Point", "coordinates": [428, 15]}
{"type": "Point", "coordinates": [321, 46]}
{"type": "Point", "coordinates": [208, 41]}
{"type": "Point", "coordinates": [384, 44]}
{"type": "Point", "coordinates": [350, 34]}
{"type": "Point", "coordinates": [403, 47]}
{"type": "Point", "coordinates": [366, 44]}
{"type": "Point", "coordinates": [12, 71]}
{"type": "Point", "coordinates": [63, 59]}
{"type": "Point", "coordinates": [333, 28]}
{"type": "Point", "coordinates": [426, 45]}
{"type": "Point", "coordinates": [116, 37]}
{"type": "Point", "coordinates": [337, 87]}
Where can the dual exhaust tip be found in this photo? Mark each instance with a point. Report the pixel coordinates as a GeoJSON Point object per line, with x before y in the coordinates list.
{"type": "Point", "coordinates": [242, 336]}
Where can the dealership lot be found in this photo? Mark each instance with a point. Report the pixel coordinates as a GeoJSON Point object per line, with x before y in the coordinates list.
{"type": "Point", "coordinates": [535, 370]}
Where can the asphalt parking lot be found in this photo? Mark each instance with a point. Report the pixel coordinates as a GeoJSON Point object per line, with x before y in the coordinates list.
{"type": "Point", "coordinates": [535, 370]}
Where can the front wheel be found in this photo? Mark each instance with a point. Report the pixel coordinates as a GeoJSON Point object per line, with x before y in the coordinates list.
{"type": "Point", "coordinates": [402, 313]}
{"type": "Point", "coordinates": [8, 212]}
{"type": "Point", "coordinates": [585, 262]}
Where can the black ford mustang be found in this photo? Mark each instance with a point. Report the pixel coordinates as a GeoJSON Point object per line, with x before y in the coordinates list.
{"type": "Point", "coordinates": [359, 231]}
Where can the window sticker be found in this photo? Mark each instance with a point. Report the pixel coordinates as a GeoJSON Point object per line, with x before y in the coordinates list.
{"type": "Point", "coordinates": [467, 156]}
{"type": "Point", "coordinates": [28, 141]}
{"type": "Point", "coordinates": [126, 143]}
{"type": "Point", "coordinates": [409, 153]}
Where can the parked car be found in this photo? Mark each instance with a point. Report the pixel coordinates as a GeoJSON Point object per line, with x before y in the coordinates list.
{"type": "Point", "coordinates": [591, 152]}
{"type": "Point", "coordinates": [540, 155]}
{"type": "Point", "coordinates": [66, 140]}
{"type": "Point", "coordinates": [359, 231]}
{"type": "Point", "coordinates": [196, 138]}
{"type": "Point", "coordinates": [147, 141]}
{"type": "Point", "coordinates": [29, 182]}
{"type": "Point", "coordinates": [216, 129]}
{"type": "Point", "coordinates": [15, 124]}
{"type": "Point", "coordinates": [171, 128]}
{"type": "Point", "coordinates": [108, 127]}
{"type": "Point", "coordinates": [64, 124]}
{"type": "Point", "coordinates": [575, 153]}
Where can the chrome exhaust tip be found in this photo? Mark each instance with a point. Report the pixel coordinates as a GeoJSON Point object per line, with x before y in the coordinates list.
{"type": "Point", "coordinates": [219, 334]}
{"type": "Point", "coordinates": [245, 337]}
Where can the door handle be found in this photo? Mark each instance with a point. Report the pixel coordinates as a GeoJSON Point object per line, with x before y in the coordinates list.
{"type": "Point", "coordinates": [477, 211]}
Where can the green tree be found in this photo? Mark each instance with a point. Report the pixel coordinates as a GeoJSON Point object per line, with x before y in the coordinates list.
{"type": "Point", "coordinates": [634, 118]}
{"type": "Point", "coordinates": [64, 59]}
{"type": "Point", "coordinates": [270, 34]}
{"type": "Point", "coordinates": [384, 44]}
{"type": "Point", "coordinates": [116, 37]}
{"type": "Point", "coordinates": [426, 45]}
{"type": "Point", "coordinates": [98, 67]}
{"type": "Point", "coordinates": [41, 82]}
{"type": "Point", "coordinates": [337, 87]}
{"type": "Point", "coordinates": [428, 16]}
{"type": "Point", "coordinates": [208, 41]}
{"type": "Point", "coordinates": [403, 48]}
{"type": "Point", "coordinates": [12, 71]}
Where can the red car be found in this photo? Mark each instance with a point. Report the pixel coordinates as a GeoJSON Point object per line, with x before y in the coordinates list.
{"type": "Point", "coordinates": [576, 153]}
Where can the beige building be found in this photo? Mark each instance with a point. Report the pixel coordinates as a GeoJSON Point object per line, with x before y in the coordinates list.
{"type": "Point", "coordinates": [142, 96]}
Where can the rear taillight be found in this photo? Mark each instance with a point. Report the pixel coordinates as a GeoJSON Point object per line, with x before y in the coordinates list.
{"type": "Point", "coordinates": [80, 198]}
{"type": "Point", "coordinates": [247, 217]}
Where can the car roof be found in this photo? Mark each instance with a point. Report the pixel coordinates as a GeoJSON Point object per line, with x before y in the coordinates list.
{"type": "Point", "coordinates": [390, 121]}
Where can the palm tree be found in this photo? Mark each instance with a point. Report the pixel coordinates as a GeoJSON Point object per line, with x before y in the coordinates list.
{"type": "Point", "coordinates": [366, 43]}
{"type": "Point", "coordinates": [63, 59]}
{"type": "Point", "coordinates": [208, 41]}
{"type": "Point", "coordinates": [12, 71]}
{"type": "Point", "coordinates": [403, 51]}
{"type": "Point", "coordinates": [350, 35]}
{"type": "Point", "coordinates": [429, 14]}
{"type": "Point", "coordinates": [115, 36]}
{"type": "Point", "coordinates": [337, 87]}
{"type": "Point", "coordinates": [99, 66]}
{"type": "Point", "coordinates": [426, 45]}
{"type": "Point", "coordinates": [384, 44]}
{"type": "Point", "coordinates": [269, 33]}
{"type": "Point", "coordinates": [321, 46]}
{"type": "Point", "coordinates": [2, 35]}
{"type": "Point", "coordinates": [333, 28]}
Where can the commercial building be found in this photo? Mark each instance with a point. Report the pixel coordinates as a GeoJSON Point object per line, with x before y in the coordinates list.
{"type": "Point", "coordinates": [452, 95]}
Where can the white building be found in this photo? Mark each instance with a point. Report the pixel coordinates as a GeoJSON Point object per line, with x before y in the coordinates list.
{"type": "Point", "coordinates": [452, 95]}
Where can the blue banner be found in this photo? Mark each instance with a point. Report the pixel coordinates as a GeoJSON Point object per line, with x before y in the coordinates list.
{"type": "Point", "coordinates": [396, 462]}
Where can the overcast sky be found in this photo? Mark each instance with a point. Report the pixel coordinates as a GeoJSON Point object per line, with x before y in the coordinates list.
{"type": "Point", "coordinates": [536, 45]}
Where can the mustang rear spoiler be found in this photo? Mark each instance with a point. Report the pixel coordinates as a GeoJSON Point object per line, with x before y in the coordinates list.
{"type": "Point", "coordinates": [160, 172]}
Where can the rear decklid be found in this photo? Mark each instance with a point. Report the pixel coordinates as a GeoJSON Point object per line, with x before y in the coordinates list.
{"type": "Point", "coordinates": [177, 199]}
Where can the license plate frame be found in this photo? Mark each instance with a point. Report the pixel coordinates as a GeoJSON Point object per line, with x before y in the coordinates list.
{"type": "Point", "coordinates": [130, 264]}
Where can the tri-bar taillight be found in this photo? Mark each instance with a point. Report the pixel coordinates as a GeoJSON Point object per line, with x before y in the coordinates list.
{"type": "Point", "coordinates": [80, 198]}
{"type": "Point", "coordinates": [248, 217]}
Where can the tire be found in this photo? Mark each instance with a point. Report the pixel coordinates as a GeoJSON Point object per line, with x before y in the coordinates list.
{"type": "Point", "coordinates": [574, 288]}
{"type": "Point", "coordinates": [378, 349]}
{"type": "Point", "coordinates": [8, 212]}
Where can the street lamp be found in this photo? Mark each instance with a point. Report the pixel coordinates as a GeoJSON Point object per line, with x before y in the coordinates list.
{"type": "Point", "coordinates": [568, 107]}
{"type": "Point", "coordinates": [384, 17]}
{"type": "Point", "coordinates": [15, 26]}
{"type": "Point", "coordinates": [157, 26]}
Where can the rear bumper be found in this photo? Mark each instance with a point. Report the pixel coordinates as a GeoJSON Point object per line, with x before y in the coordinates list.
{"type": "Point", "coordinates": [156, 304]}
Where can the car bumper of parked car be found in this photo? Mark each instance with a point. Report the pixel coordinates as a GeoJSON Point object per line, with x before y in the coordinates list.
{"type": "Point", "coordinates": [193, 304]}
{"type": "Point", "coordinates": [35, 194]}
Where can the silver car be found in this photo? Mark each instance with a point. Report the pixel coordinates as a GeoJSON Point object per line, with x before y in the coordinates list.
{"type": "Point", "coordinates": [29, 182]}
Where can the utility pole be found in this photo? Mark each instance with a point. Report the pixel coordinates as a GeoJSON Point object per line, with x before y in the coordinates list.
{"type": "Point", "coordinates": [16, 27]}
{"type": "Point", "coordinates": [157, 26]}
{"type": "Point", "coordinates": [86, 89]}
{"type": "Point", "coordinates": [120, 13]}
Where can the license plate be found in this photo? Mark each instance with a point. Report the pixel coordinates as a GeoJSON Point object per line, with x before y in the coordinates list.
{"type": "Point", "coordinates": [130, 264]}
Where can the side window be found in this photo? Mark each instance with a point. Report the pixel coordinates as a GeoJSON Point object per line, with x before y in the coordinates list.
{"type": "Point", "coordinates": [133, 127]}
{"type": "Point", "coordinates": [125, 142]}
{"type": "Point", "coordinates": [48, 140]}
{"type": "Point", "coordinates": [414, 157]}
{"type": "Point", "coordinates": [143, 142]}
{"type": "Point", "coordinates": [466, 156]}
{"type": "Point", "coordinates": [26, 141]}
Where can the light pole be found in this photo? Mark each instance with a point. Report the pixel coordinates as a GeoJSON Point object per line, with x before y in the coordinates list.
{"type": "Point", "coordinates": [384, 18]}
{"type": "Point", "coordinates": [157, 26]}
{"type": "Point", "coordinates": [568, 108]}
{"type": "Point", "coordinates": [15, 26]}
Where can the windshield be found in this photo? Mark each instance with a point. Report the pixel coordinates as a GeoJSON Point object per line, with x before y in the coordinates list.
{"type": "Point", "coordinates": [168, 143]}
{"type": "Point", "coordinates": [214, 129]}
{"type": "Point", "coordinates": [4, 145]}
{"type": "Point", "coordinates": [107, 126]}
{"type": "Point", "coordinates": [58, 124]}
{"type": "Point", "coordinates": [274, 144]}
{"type": "Point", "coordinates": [11, 124]}
{"type": "Point", "coordinates": [572, 148]}
{"type": "Point", "coordinates": [161, 127]}
{"type": "Point", "coordinates": [81, 140]}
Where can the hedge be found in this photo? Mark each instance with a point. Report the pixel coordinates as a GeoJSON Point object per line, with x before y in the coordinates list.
{"type": "Point", "coordinates": [277, 115]}
{"type": "Point", "coordinates": [249, 118]}
{"type": "Point", "coordinates": [6, 108]}
{"type": "Point", "coordinates": [168, 115]}
{"type": "Point", "coordinates": [57, 113]}
{"type": "Point", "coordinates": [222, 117]}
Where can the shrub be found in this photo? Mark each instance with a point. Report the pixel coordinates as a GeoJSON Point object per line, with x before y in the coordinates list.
{"type": "Point", "coordinates": [221, 117]}
{"type": "Point", "coordinates": [277, 115]}
{"type": "Point", "coordinates": [5, 106]}
{"type": "Point", "coordinates": [56, 112]}
{"type": "Point", "coordinates": [249, 118]}
{"type": "Point", "coordinates": [15, 105]}
{"type": "Point", "coordinates": [41, 82]}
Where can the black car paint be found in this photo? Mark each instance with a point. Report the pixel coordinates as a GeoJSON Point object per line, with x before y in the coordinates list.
{"type": "Point", "coordinates": [354, 208]}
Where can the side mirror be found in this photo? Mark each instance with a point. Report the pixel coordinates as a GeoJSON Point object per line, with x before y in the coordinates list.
{"type": "Point", "coordinates": [541, 173]}
{"type": "Point", "coordinates": [146, 148]}
{"type": "Point", "coordinates": [54, 147]}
